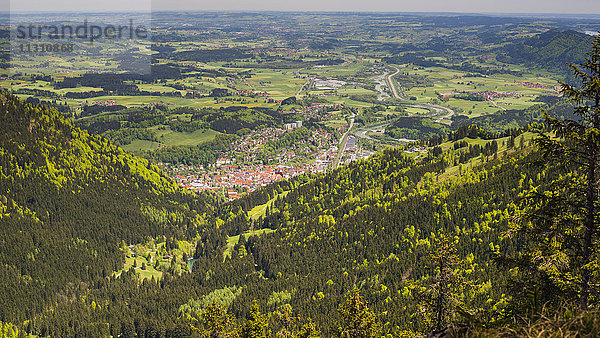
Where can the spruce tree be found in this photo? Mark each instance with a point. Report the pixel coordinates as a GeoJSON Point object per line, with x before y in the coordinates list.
{"type": "Point", "coordinates": [444, 288]}
{"type": "Point", "coordinates": [562, 223]}
{"type": "Point", "coordinates": [215, 322]}
{"type": "Point", "coordinates": [357, 319]}
{"type": "Point", "coordinates": [256, 325]}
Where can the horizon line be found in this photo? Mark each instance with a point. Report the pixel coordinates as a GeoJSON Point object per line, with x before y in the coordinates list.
{"type": "Point", "coordinates": [515, 14]}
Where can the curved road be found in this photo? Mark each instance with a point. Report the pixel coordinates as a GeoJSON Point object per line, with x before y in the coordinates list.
{"type": "Point", "coordinates": [428, 105]}
{"type": "Point", "coordinates": [391, 84]}
{"type": "Point", "coordinates": [362, 133]}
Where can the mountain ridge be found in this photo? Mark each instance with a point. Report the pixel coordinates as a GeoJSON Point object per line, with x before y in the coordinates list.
{"type": "Point", "coordinates": [70, 199]}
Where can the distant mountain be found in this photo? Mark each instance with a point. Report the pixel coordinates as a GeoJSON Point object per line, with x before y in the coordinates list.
{"type": "Point", "coordinates": [451, 21]}
{"type": "Point", "coordinates": [552, 49]}
{"type": "Point", "coordinates": [68, 202]}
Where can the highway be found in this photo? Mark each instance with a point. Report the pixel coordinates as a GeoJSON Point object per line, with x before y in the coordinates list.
{"type": "Point", "coordinates": [435, 107]}
{"type": "Point", "coordinates": [342, 145]}
{"type": "Point", "coordinates": [382, 95]}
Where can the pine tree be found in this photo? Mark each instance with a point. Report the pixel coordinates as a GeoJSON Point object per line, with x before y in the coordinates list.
{"type": "Point", "coordinates": [293, 326]}
{"type": "Point", "coordinates": [511, 142]}
{"type": "Point", "coordinates": [309, 330]}
{"type": "Point", "coordinates": [522, 142]}
{"type": "Point", "coordinates": [563, 222]}
{"type": "Point", "coordinates": [256, 324]}
{"type": "Point", "coordinates": [444, 288]}
{"type": "Point", "coordinates": [357, 319]}
{"type": "Point", "coordinates": [216, 322]}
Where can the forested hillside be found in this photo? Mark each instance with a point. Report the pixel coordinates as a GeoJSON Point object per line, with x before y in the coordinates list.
{"type": "Point", "coordinates": [68, 202]}
{"type": "Point", "coordinates": [374, 223]}
{"type": "Point", "coordinates": [552, 50]}
{"type": "Point", "coordinates": [71, 200]}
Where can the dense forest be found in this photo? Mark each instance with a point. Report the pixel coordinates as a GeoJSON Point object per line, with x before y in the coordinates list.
{"type": "Point", "coordinates": [550, 50]}
{"type": "Point", "coordinates": [415, 128]}
{"type": "Point", "coordinates": [68, 201]}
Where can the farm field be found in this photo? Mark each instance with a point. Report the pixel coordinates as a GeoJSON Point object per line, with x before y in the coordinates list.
{"type": "Point", "coordinates": [202, 89]}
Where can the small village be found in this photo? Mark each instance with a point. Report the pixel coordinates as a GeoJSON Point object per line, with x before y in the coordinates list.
{"type": "Point", "coordinates": [232, 180]}
{"type": "Point", "coordinates": [246, 167]}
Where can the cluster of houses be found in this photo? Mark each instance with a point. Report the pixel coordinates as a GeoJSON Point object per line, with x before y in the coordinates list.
{"type": "Point", "coordinates": [416, 150]}
{"type": "Point", "coordinates": [231, 178]}
{"type": "Point", "coordinates": [533, 85]}
{"type": "Point", "coordinates": [250, 146]}
{"type": "Point", "coordinates": [106, 103]}
{"type": "Point", "coordinates": [352, 152]}
{"type": "Point", "coordinates": [488, 95]}
{"type": "Point", "coordinates": [319, 111]}
{"type": "Point", "coordinates": [156, 104]}
{"type": "Point", "coordinates": [250, 93]}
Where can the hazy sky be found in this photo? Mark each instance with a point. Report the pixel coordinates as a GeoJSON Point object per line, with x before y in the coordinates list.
{"type": "Point", "coordinates": [469, 6]}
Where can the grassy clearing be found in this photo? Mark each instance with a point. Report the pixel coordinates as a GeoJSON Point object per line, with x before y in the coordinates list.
{"type": "Point", "coordinates": [355, 91]}
{"type": "Point", "coordinates": [175, 138]}
{"type": "Point", "coordinates": [156, 258]}
{"type": "Point", "coordinates": [279, 84]}
{"type": "Point", "coordinates": [137, 262]}
{"type": "Point", "coordinates": [233, 240]}
{"type": "Point", "coordinates": [171, 138]}
{"type": "Point", "coordinates": [417, 111]}
{"type": "Point", "coordinates": [346, 69]}
{"type": "Point", "coordinates": [260, 210]}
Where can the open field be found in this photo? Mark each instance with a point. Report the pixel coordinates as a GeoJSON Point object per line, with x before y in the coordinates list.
{"type": "Point", "coordinates": [175, 138]}
{"type": "Point", "coordinates": [279, 85]}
